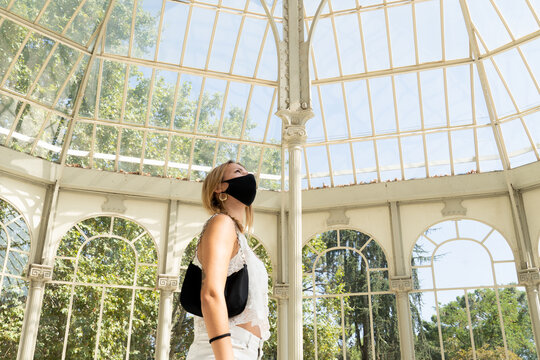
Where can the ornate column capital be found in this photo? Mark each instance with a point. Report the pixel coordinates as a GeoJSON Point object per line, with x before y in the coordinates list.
{"type": "Point", "coordinates": [39, 272]}
{"type": "Point", "coordinates": [167, 282]}
{"type": "Point", "coordinates": [529, 277]}
{"type": "Point", "coordinates": [401, 284]}
{"type": "Point", "coordinates": [281, 291]}
{"type": "Point", "coordinates": [296, 117]}
{"type": "Point", "coordinates": [294, 135]}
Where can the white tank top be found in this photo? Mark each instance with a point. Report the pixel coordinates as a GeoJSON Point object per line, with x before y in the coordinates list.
{"type": "Point", "coordinates": [256, 311]}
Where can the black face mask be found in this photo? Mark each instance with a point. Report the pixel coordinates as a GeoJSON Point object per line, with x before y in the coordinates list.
{"type": "Point", "coordinates": [243, 188]}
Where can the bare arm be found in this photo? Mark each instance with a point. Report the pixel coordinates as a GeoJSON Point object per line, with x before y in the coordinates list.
{"type": "Point", "coordinates": [215, 251]}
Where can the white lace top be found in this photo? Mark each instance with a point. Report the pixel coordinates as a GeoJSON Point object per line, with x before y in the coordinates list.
{"type": "Point", "coordinates": [256, 310]}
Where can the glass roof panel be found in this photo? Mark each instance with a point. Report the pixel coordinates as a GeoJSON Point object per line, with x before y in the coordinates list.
{"type": "Point", "coordinates": [518, 145]}
{"type": "Point", "coordinates": [366, 162]}
{"type": "Point", "coordinates": [86, 21]}
{"type": "Point", "coordinates": [525, 93]}
{"type": "Point", "coordinates": [334, 115]}
{"type": "Point", "coordinates": [234, 118]}
{"type": "Point", "coordinates": [400, 22]}
{"type": "Point", "coordinates": [359, 108]}
{"type": "Point", "coordinates": [175, 87]}
{"type": "Point", "coordinates": [518, 17]}
{"type": "Point", "coordinates": [145, 29]}
{"type": "Point", "coordinates": [413, 156]}
{"type": "Point", "coordinates": [438, 154]}
{"type": "Point", "coordinates": [224, 45]}
{"type": "Point", "coordinates": [199, 37]}
{"type": "Point", "coordinates": [349, 44]}
{"type": "Point", "coordinates": [375, 39]}
{"type": "Point", "coordinates": [456, 39]}
{"type": "Point", "coordinates": [428, 28]}
{"type": "Point", "coordinates": [463, 151]}
{"type": "Point", "coordinates": [488, 23]}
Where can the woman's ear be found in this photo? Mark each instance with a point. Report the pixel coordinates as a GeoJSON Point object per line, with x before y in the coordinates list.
{"type": "Point", "coordinates": [221, 187]}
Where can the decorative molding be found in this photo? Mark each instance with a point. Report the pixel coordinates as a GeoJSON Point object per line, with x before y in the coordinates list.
{"type": "Point", "coordinates": [281, 291]}
{"type": "Point", "coordinates": [453, 207]}
{"type": "Point", "coordinates": [529, 277]}
{"type": "Point", "coordinates": [167, 282]}
{"type": "Point", "coordinates": [38, 272]}
{"type": "Point", "coordinates": [401, 283]}
{"type": "Point", "coordinates": [114, 204]}
{"type": "Point", "coordinates": [295, 117]}
{"type": "Point", "coordinates": [337, 217]}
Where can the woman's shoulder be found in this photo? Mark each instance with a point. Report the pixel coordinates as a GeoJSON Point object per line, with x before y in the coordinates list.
{"type": "Point", "coordinates": [219, 222]}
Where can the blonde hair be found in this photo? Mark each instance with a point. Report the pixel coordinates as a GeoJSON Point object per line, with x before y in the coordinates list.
{"type": "Point", "coordinates": [210, 198]}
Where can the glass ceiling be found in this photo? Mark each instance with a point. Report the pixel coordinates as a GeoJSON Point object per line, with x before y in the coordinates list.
{"type": "Point", "coordinates": [174, 87]}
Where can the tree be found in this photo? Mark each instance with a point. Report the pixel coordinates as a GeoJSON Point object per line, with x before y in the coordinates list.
{"type": "Point", "coordinates": [344, 274]}
{"type": "Point", "coordinates": [486, 325]}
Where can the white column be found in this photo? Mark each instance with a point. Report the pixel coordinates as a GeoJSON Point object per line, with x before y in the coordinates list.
{"type": "Point", "coordinates": [38, 275]}
{"type": "Point", "coordinates": [167, 284]}
{"type": "Point", "coordinates": [401, 284]}
{"type": "Point", "coordinates": [295, 135]}
{"type": "Point", "coordinates": [281, 287]}
{"type": "Point", "coordinates": [530, 278]}
{"type": "Point", "coordinates": [294, 108]}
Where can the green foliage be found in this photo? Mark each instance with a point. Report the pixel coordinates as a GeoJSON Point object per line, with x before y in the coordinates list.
{"type": "Point", "coordinates": [99, 313]}
{"type": "Point", "coordinates": [348, 275]}
{"type": "Point", "coordinates": [486, 327]}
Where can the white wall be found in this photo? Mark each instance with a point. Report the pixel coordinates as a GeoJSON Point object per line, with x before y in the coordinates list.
{"type": "Point", "coordinates": [27, 198]}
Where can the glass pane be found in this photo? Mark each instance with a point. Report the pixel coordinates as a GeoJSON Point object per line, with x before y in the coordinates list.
{"type": "Point", "coordinates": [29, 63]}
{"type": "Point", "coordinates": [13, 299]}
{"type": "Point", "coordinates": [126, 228]}
{"type": "Point", "coordinates": [385, 326]}
{"type": "Point", "coordinates": [114, 324]}
{"type": "Point", "coordinates": [146, 250]}
{"type": "Point", "coordinates": [181, 330]}
{"type": "Point", "coordinates": [328, 329]}
{"type": "Point", "coordinates": [70, 244]}
{"type": "Point", "coordinates": [84, 320]}
{"type": "Point", "coordinates": [107, 261]}
{"type": "Point", "coordinates": [52, 322]}
{"type": "Point", "coordinates": [462, 263]}
{"type": "Point", "coordinates": [517, 323]}
{"type": "Point", "coordinates": [144, 327]}
{"type": "Point", "coordinates": [340, 271]}
{"type": "Point", "coordinates": [96, 226]}
{"type": "Point", "coordinates": [19, 235]}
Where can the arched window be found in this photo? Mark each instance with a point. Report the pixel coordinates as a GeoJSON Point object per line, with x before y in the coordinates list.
{"type": "Point", "coordinates": [349, 312]}
{"type": "Point", "coordinates": [466, 302]}
{"type": "Point", "coordinates": [14, 252]}
{"type": "Point", "coordinates": [102, 302]}
{"type": "Point", "coordinates": [182, 327]}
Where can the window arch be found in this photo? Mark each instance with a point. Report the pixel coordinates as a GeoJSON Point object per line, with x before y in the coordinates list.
{"type": "Point", "coordinates": [14, 254]}
{"type": "Point", "coordinates": [182, 327]}
{"type": "Point", "coordinates": [349, 311]}
{"type": "Point", "coordinates": [466, 302]}
{"type": "Point", "coordinates": [102, 301]}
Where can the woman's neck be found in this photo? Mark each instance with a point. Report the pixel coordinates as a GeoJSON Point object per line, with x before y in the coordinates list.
{"type": "Point", "coordinates": [236, 212]}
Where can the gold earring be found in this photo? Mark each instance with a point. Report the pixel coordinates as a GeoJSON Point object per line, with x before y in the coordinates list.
{"type": "Point", "coordinates": [221, 199]}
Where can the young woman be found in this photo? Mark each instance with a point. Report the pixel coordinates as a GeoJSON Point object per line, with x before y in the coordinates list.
{"type": "Point", "coordinates": [227, 194]}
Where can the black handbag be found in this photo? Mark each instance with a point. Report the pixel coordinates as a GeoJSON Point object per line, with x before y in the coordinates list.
{"type": "Point", "coordinates": [236, 290]}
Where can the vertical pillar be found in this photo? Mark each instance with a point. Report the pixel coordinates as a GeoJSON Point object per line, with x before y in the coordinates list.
{"type": "Point", "coordinates": [167, 284]}
{"type": "Point", "coordinates": [530, 278]}
{"type": "Point", "coordinates": [38, 275]}
{"type": "Point", "coordinates": [294, 109]}
{"type": "Point", "coordinates": [281, 287]}
{"type": "Point", "coordinates": [401, 284]}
